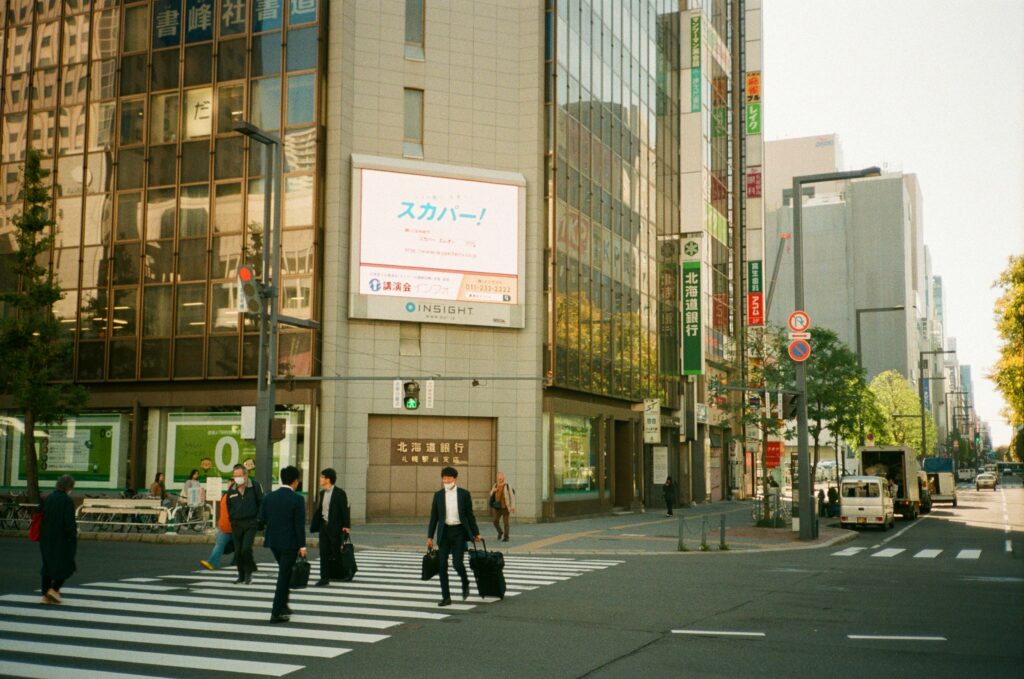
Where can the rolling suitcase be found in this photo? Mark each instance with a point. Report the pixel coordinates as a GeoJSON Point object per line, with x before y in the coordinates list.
{"type": "Point", "coordinates": [488, 571]}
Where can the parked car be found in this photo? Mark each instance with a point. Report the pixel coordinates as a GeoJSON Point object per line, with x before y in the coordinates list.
{"type": "Point", "coordinates": [865, 501]}
{"type": "Point", "coordinates": [986, 480]}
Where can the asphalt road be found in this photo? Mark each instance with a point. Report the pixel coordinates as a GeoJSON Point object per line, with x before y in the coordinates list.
{"type": "Point", "coordinates": [938, 597]}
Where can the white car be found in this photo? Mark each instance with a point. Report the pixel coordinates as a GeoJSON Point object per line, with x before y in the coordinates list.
{"type": "Point", "coordinates": [986, 480]}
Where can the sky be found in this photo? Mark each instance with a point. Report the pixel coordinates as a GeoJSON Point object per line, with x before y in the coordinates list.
{"type": "Point", "coordinates": [930, 87]}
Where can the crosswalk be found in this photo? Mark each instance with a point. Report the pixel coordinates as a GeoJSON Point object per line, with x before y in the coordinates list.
{"type": "Point", "coordinates": [928, 553]}
{"type": "Point", "coordinates": [201, 624]}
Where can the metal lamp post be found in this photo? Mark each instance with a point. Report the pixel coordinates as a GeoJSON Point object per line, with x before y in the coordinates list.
{"type": "Point", "coordinates": [808, 523]}
{"type": "Point", "coordinates": [920, 393]}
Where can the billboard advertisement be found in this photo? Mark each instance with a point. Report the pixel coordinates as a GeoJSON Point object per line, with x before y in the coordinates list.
{"type": "Point", "coordinates": [437, 244]}
{"type": "Point", "coordinates": [91, 448]}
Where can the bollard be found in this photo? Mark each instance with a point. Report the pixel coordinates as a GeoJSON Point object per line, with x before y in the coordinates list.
{"type": "Point", "coordinates": [704, 535]}
{"type": "Point", "coordinates": [682, 533]}
{"type": "Point", "coordinates": [721, 533]}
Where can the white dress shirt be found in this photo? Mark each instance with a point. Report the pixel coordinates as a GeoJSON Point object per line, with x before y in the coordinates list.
{"type": "Point", "coordinates": [451, 506]}
{"type": "Point", "coordinates": [327, 502]}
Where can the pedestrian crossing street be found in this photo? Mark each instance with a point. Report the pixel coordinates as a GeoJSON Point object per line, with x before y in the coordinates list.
{"type": "Point", "coordinates": [201, 624]}
{"type": "Point", "coordinates": [892, 552]}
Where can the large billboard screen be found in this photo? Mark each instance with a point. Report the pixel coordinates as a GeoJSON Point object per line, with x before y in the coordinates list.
{"type": "Point", "coordinates": [437, 244]}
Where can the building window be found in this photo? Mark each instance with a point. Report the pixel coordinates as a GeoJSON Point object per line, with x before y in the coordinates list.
{"type": "Point", "coordinates": [575, 457]}
{"type": "Point", "coordinates": [414, 20]}
{"type": "Point", "coordinates": [412, 145]}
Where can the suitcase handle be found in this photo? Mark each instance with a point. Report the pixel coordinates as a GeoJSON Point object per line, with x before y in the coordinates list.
{"type": "Point", "coordinates": [483, 542]}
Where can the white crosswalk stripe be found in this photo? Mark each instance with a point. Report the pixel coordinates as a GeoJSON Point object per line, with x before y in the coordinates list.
{"type": "Point", "coordinates": [163, 624]}
{"type": "Point", "coordinates": [925, 553]}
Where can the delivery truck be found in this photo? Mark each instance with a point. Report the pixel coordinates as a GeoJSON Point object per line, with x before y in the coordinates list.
{"type": "Point", "coordinates": [941, 478]}
{"type": "Point", "coordinates": [898, 465]}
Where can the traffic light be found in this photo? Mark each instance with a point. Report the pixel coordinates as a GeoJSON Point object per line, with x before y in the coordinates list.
{"type": "Point", "coordinates": [788, 406]}
{"type": "Point", "coordinates": [249, 290]}
{"type": "Point", "coordinates": [412, 395]}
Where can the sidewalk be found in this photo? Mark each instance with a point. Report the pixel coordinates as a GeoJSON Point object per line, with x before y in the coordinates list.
{"type": "Point", "coordinates": [636, 533]}
{"type": "Point", "coordinates": [632, 534]}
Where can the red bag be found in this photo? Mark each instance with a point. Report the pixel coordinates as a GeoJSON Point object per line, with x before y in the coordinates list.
{"type": "Point", "coordinates": [36, 527]}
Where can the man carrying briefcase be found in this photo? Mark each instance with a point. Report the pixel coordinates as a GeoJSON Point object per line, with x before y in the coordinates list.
{"type": "Point", "coordinates": [451, 517]}
{"type": "Point", "coordinates": [332, 520]}
{"type": "Point", "coordinates": [284, 514]}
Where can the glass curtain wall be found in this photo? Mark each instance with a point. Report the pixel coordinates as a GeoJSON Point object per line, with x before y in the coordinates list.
{"type": "Point", "coordinates": [157, 201]}
{"type": "Point", "coordinates": [608, 73]}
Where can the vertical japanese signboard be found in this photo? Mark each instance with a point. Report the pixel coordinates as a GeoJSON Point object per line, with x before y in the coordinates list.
{"type": "Point", "coordinates": [695, 63]}
{"type": "Point", "coordinates": [166, 23]}
{"type": "Point", "coordinates": [693, 335]}
{"type": "Point", "coordinates": [754, 182]}
{"type": "Point", "coordinates": [668, 307]}
{"type": "Point", "coordinates": [753, 119]}
{"type": "Point", "coordinates": [199, 20]}
{"type": "Point", "coordinates": [755, 293]}
{"type": "Point", "coordinates": [652, 420]}
{"type": "Point", "coordinates": [753, 87]}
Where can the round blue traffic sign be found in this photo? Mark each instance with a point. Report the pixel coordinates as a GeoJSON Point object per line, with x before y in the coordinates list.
{"type": "Point", "coordinates": [799, 350]}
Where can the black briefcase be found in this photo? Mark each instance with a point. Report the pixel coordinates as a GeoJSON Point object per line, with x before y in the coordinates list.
{"type": "Point", "coordinates": [488, 571]}
{"type": "Point", "coordinates": [300, 574]}
{"type": "Point", "coordinates": [431, 565]}
{"type": "Point", "coordinates": [347, 561]}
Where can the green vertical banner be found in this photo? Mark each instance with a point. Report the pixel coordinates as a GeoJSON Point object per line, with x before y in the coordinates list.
{"type": "Point", "coordinates": [695, 63]}
{"type": "Point", "coordinates": [753, 118]}
{"type": "Point", "coordinates": [693, 345]}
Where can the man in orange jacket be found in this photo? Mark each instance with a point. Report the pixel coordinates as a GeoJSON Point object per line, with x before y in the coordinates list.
{"type": "Point", "coordinates": [224, 539]}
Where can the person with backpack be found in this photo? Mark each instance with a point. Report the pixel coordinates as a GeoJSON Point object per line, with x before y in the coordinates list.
{"type": "Point", "coordinates": [58, 539]}
{"type": "Point", "coordinates": [224, 536]}
{"type": "Point", "coordinates": [243, 501]}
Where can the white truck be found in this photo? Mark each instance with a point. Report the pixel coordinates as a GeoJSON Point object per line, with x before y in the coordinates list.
{"type": "Point", "coordinates": [941, 478]}
{"type": "Point", "coordinates": [898, 465]}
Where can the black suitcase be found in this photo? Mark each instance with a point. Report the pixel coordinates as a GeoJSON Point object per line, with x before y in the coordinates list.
{"type": "Point", "coordinates": [300, 574]}
{"type": "Point", "coordinates": [488, 571]}
{"type": "Point", "coordinates": [431, 565]}
{"type": "Point", "coordinates": [347, 567]}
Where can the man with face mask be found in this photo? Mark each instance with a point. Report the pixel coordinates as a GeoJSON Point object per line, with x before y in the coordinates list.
{"type": "Point", "coordinates": [244, 501]}
{"type": "Point", "coordinates": [451, 517]}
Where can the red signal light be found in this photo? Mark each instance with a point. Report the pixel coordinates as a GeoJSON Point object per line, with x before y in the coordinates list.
{"type": "Point", "coordinates": [245, 273]}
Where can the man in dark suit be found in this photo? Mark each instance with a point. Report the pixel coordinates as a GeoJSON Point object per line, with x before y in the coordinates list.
{"type": "Point", "coordinates": [331, 519]}
{"type": "Point", "coordinates": [284, 514]}
{"type": "Point", "coordinates": [451, 517]}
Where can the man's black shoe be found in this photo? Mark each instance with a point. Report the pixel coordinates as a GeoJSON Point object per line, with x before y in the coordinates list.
{"type": "Point", "coordinates": [279, 618]}
{"type": "Point", "coordinates": [465, 591]}
{"type": "Point", "coordinates": [287, 610]}
{"type": "Point", "coordinates": [499, 534]}
{"type": "Point", "coordinates": [444, 602]}
{"type": "Point", "coordinates": [240, 580]}
{"type": "Point", "coordinates": [321, 583]}
{"type": "Point", "coordinates": [248, 579]}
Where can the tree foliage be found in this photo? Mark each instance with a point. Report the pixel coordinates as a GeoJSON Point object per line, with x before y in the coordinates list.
{"type": "Point", "coordinates": [1008, 372]}
{"type": "Point", "coordinates": [35, 370]}
{"type": "Point", "coordinates": [901, 408]}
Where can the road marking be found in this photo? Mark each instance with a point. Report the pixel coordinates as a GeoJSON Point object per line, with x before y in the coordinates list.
{"type": "Point", "coordinates": [716, 633]}
{"type": "Point", "coordinates": [328, 598]}
{"type": "Point", "coordinates": [928, 554]}
{"type": "Point", "coordinates": [990, 578]}
{"type": "Point", "coordinates": [24, 669]}
{"type": "Point", "coordinates": [196, 612]}
{"type": "Point", "coordinates": [887, 637]}
{"type": "Point", "coordinates": [904, 530]}
{"type": "Point", "coordinates": [232, 602]}
{"type": "Point", "coordinates": [64, 615]}
{"type": "Point", "coordinates": [204, 642]}
{"type": "Point", "coordinates": [969, 554]}
{"type": "Point", "coordinates": [888, 553]}
{"type": "Point", "coordinates": [137, 657]}
{"type": "Point", "coordinates": [849, 551]}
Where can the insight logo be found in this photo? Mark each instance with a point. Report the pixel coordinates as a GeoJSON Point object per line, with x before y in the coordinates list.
{"type": "Point", "coordinates": [410, 307]}
{"type": "Point", "coordinates": [374, 284]}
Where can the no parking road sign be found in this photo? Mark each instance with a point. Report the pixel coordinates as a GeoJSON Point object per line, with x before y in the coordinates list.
{"type": "Point", "coordinates": [799, 350]}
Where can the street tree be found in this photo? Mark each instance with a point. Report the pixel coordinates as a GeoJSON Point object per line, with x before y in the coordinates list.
{"type": "Point", "coordinates": [901, 408]}
{"type": "Point", "coordinates": [35, 371]}
{"type": "Point", "coordinates": [1008, 372]}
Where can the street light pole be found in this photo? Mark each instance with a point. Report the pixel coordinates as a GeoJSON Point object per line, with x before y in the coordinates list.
{"type": "Point", "coordinates": [808, 519]}
{"type": "Point", "coordinates": [266, 396]}
{"type": "Point", "coordinates": [920, 393]}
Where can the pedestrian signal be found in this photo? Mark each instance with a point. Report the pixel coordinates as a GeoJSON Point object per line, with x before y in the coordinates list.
{"type": "Point", "coordinates": [249, 290]}
{"type": "Point", "coordinates": [412, 395]}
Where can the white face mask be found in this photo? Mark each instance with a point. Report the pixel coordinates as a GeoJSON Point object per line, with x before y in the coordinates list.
{"type": "Point", "coordinates": [449, 486]}
{"type": "Point", "coordinates": [239, 480]}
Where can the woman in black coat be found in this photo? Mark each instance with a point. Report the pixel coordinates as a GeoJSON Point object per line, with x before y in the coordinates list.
{"type": "Point", "coordinates": [58, 539]}
{"type": "Point", "coordinates": [668, 490]}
